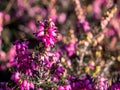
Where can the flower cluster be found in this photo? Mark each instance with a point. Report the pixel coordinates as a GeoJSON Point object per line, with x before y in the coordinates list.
{"type": "Point", "coordinates": [86, 83]}
{"type": "Point", "coordinates": [23, 60]}
{"type": "Point", "coordinates": [48, 60]}
{"type": "Point", "coordinates": [23, 84]}
{"type": "Point", "coordinates": [46, 33]}
{"type": "Point", "coordinates": [102, 83]}
{"type": "Point", "coordinates": [57, 74]}
{"type": "Point", "coordinates": [29, 65]}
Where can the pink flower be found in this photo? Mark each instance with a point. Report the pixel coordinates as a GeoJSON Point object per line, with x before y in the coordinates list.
{"type": "Point", "coordinates": [11, 56]}
{"type": "Point", "coordinates": [111, 32]}
{"type": "Point", "coordinates": [12, 53]}
{"type": "Point", "coordinates": [24, 83]}
{"type": "Point", "coordinates": [61, 88]}
{"type": "Point", "coordinates": [62, 18]}
{"type": "Point", "coordinates": [46, 33]}
{"type": "Point", "coordinates": [86, 26]}
{"type": "Point", "coordinates": [7, 17]}
{"type": "Point", "coordinates": [31, 85]}
{"type": "Point", "coordinates": [59, 70]}
{"type": "Point", "coordinates": [28, 72]}
{"type": "Point", "coordinates": [2, 55]}
{"type": "Point", "coordinates": [70, 49]}
{"type": "Point", "coordinates": [97, 7]}
{"type": "Point", "coordinates": [69, 62]}
{"type": "Point", "coordinates": [65, 87]}
{"type": "Point", "coordinates": [16, 76]}
{"type": "Point", "coordinates": [86, 83]}
{"type": "Point", "coordinates": [32, 26]}
{"type": "Point", "coordinates": [115, 86]}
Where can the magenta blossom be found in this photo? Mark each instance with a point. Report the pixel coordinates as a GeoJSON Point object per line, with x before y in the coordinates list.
{"type": "Point", "coordinates": [58, 72]}
{"type": "Point", "coordinates": [15, 76]}
{"type": "Point", "coordinates": [47, 33]}
{"type": "Point", "coordinates": [25, 85]}
{"type": "Point", "coordinates": [65, 87]}
{"type": "Point", "coordinates": [115, 86]}
{"type": "Point", "coordinates": [86, 83]}
{"type": "Point", "coordinates": [23, 60]}
{"type": "Point", "coordinates": [102, 84]}
{"type": "Point", "coordinates": [71, 49]}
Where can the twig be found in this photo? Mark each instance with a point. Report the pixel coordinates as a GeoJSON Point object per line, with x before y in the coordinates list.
{"type": "Point", "coordinates": [10, 4]}
{"type": "Point", "coordinates": [107, 67]}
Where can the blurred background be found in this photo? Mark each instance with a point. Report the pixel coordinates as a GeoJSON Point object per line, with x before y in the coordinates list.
{"type": "Point", "coordinates": [88, 32]}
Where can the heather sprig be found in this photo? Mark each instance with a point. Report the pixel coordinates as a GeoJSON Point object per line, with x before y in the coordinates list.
{"type": "Point", "coordinates": [46, 33]}
{"type": "Point", "coordinates": [33, 69]}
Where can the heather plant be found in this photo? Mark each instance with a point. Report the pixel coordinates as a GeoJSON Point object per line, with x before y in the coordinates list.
{"type": "Point", "coordinates": [59, 45]}
{"type": "Point", "coordinates": [34, 69]}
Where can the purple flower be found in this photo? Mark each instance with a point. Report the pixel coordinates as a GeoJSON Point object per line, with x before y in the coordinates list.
{"type": "Point", "coordinates": [58, 72]}
{"type": "Point", "coordinates": [65, 87]}
{"type": "Point", "coordinates": [86, 83]}
{"type": "Point", "coordinates": [62, 18]}
{"type": "Point", "coordinates": [115, 86]}
{"type": "Point", "coordinates": [111, 32]}
{"type": "Point", "coordinates": [61, 88]}
{"type": "Point", "coordinates": [102, 84]}
{"type": "Point", "coordinates": [24, 62]}
{"type": "Point", "coordinates": [2, 55]}
{"type": "Point", "coordinates": [71, 49]}
{"type": "Point", "coordinates": [31, 25]}
{"type": "Point", "coordinates": [85, 24]}
{"type": "Point", "coordinates": [15, 76]}
{"type": "Point", "coordinates": [25, 85]}
{"type": "Point", "coordinates": [11, 55]}
{"type": "Point", "coordinates": [97, 7]}
{"type": "Point", "coordinates": [46, 33]}
{"type": "Point", "coordinates": [48, 59]}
